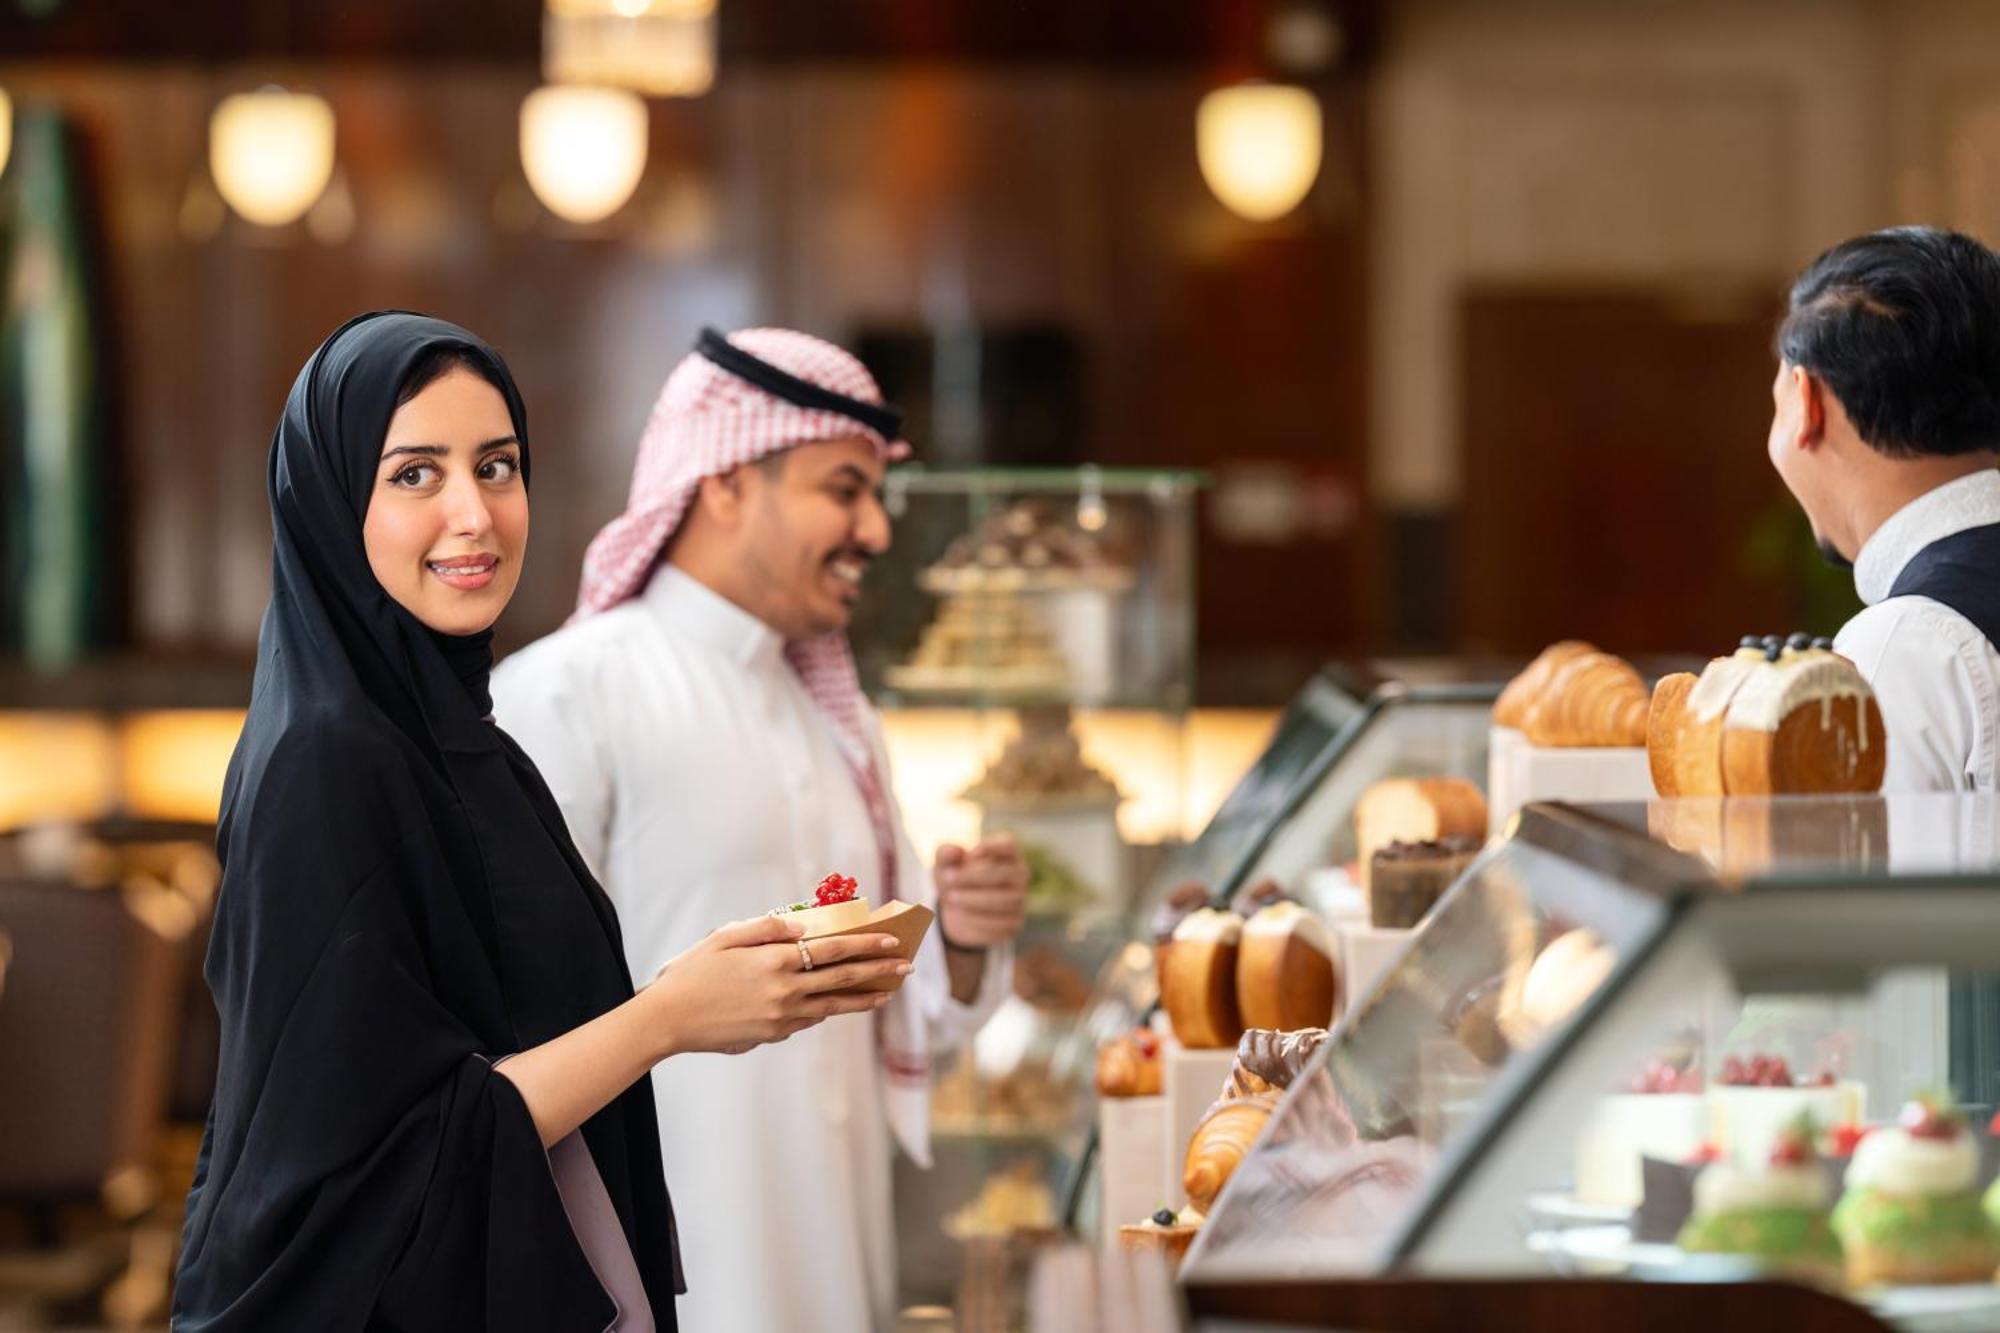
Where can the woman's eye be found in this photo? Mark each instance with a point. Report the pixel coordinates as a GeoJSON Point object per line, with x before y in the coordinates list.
{"type": "Point", "coordinates": [503, 468]}
{"type": "Point", "coordinates": [411, 476]}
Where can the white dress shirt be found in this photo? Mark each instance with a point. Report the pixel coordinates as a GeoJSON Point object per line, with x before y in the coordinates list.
{"type": "Point", "coordinates": [703, 785]}
{"type": "Point", "coordinates": [1936, 677]}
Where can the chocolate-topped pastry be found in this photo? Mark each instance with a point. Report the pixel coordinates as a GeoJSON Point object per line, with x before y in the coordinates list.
{"type": "Point", "coordinates": [1267, 1059]}
{"type": "Point", "coordinates": [1406, 879]}
{"type": "Point", "coordinates": [1181, 902]}
{"type": "Point", "coordinates": [1248, 901]}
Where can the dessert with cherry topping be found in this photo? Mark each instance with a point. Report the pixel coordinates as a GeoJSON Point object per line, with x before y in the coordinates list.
{"type": "Point", "coordinates": [1912, 1213]}
{"type": "Point", "coordinates": [834, 906]}
{"type": "Point", "coordinates": [1129, 1065]}
{"type": "Point", "coordinates": [1661, 1114]}
{"type": "Point", "coordinates": [1775, 1214]}
{"type": "Point", "coordinates": [1757, 1097]}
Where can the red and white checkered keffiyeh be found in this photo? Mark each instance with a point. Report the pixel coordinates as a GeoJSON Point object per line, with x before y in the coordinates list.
{"type": "Point", "coordinates": [707, 423]}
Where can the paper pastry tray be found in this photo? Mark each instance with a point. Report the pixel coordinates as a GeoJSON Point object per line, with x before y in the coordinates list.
{"type": "Point", "coordinates": [908, 922]}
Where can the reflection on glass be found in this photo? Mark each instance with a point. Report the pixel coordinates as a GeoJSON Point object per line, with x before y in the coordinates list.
{"type": "Point", "coordinates": [1508, 958]}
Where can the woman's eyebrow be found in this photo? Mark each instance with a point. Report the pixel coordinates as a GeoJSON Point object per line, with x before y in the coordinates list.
{"type": "Point", "coordinates": [444, 451]}
{"type": "Point", "coordinates": [427, 450]}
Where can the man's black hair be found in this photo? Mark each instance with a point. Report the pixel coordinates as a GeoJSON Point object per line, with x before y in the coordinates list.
{"type": "Point", "coordinates": [1904, 327]}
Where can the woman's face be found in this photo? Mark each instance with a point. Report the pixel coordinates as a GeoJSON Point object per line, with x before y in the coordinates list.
{"type": "Point", "coordinates": [447, 521]}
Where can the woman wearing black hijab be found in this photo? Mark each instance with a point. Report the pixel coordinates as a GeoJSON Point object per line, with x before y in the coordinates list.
{"type": "Point", "coordinates": [431, 1111]}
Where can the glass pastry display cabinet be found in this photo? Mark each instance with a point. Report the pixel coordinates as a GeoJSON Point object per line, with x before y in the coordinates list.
{"type": "Point", "coordinates": [1029, 640]}
{"type": "Point", "coordinates": [1686, 1041]}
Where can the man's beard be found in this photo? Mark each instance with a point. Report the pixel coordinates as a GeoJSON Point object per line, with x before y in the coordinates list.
{"type": "Point", "coordinates": [1831, 554]}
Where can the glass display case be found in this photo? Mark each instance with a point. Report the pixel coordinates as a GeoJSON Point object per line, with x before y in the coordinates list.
{"type": "Point", "coordinates": [1347, 728]}
{"type": "Point", "coordinates": [1029, 640]}
{"type": "Point", "coordinates": [1624, 1022]}
{"type": "Point", "coordinates": [1410, 724]}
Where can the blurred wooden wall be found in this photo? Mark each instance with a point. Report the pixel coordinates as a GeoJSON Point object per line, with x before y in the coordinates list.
{"type": "Point", "coordinates": [834, 199]}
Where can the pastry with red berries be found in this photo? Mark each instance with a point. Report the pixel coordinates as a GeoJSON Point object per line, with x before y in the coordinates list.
{"type": "Point", "coordinates": [837, 908]}
{"type": "Point", "coordinates": [1912, 1212]}
{"type": "Point", "coordinates": [835, 905]}
{"type": "Point", "coordinates": [1129, 1065]}
{"type": "Point", "coordinates": [1774, 1214]}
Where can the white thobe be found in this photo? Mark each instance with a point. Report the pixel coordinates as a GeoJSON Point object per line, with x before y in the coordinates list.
{"type": "Point", "coordinates": [703, 785]}
{"type": "Point", "coordinates": [1935, 675]}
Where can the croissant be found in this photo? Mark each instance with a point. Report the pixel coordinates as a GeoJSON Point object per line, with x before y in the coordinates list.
{"type": "Point", "coordinates": [1267, 1059]}
{"type": "Point", "coordinates": [1218, 1145]}
{"type": "Point", "coordinates": [1511, 709]}
{"type": "Point", "coordinates": [1593, 699]}
{"type": "Point", "coordinates": [1129, 1066]}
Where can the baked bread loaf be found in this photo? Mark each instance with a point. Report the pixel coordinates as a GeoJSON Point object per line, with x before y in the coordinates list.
{"type": "Point", "coordinates": [1254, 898]}
{"type": "Point", "coordinates": [1415, 810]}
{"type": "Point", "coordinates": [1129, 1066]}
{"type": "Point", "coordinates": [1285, 973]}
{"type": "Point", "coordinates": [1198, 981]}
{"type": "Point", "coordinates": [1691, 737]}
{"type": "Point", "coordinates": [1218, 1145]}
{"type": "Point", "coordinates": [1663, 717]}
{"type": "Point", "coordinates": [1593, 699]}
{"type": "Point", "coordinates": [1407, 878]}
{"type": "Point", "coordinates": [1805, 723]}
{"type": "Point", "coordinates": [1766, 721]}
{"type": "Point", "coordinates": [1182, 901]}
{"type": "Point", "coordinates": [1511, 709]}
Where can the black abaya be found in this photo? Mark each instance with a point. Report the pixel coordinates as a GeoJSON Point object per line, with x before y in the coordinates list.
{"type": "Point", "coordinates": [401, 906]}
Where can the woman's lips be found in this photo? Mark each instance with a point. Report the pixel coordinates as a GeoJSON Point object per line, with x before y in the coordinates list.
{"type": "Point", "coordinates": [467, 574]}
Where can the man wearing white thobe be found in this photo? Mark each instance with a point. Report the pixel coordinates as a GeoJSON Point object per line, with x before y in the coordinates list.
{"type": "Point", "coordinates": [700, 727]}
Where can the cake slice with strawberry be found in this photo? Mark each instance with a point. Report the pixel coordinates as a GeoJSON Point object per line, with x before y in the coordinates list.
{"type": "Point", "coordinates": [835, 906]}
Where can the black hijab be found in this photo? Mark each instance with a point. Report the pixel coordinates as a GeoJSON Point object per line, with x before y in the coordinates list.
{"type": "Point", "coordinates": [401, 905]}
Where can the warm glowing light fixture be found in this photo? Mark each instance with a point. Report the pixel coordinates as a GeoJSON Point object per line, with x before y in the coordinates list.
{"type": "Point", "coordinates": [55, 766]}
{"type": "Point", "coordinates": [6, 127]}
{"type": "Point", "coordinates": [172, 762]}
{"type": "Point", "coordinates": [584, 149]}
{"type": "Point", "coordinates": [661, 48]}
{"type": "Point", "coordinates": [1259, 147]}
{"type": "Point", "coordinates": [271, 153]}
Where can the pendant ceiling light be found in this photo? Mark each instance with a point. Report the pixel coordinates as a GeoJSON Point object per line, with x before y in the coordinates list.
{"type": "Point", "coordinates": [271, 153]}
{"type": "Point", "coordinates": [583, 149]}
{"type": "Point", "coordinates": [659, 48]}
{"type": "Point", "coordinates": [1259, 146]}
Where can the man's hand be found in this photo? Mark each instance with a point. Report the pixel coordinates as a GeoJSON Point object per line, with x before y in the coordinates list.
{"type": "Point", "coordinates": [982, 893]}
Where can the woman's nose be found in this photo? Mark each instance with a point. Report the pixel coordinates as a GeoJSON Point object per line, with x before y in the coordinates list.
{"type": "Point", "coordinates": [466, 513]}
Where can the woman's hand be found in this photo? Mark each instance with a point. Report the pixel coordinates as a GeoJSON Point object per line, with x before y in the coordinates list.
{"type": "Point", "coordinates": [747, 984]}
